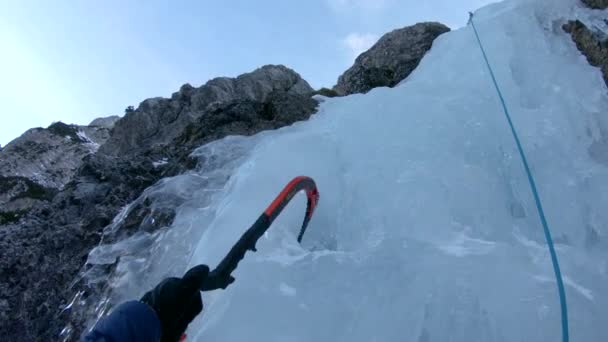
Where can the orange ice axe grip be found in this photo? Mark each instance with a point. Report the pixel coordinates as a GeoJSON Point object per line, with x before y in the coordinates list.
{"type": "Point", "coordinates": [222, 273]}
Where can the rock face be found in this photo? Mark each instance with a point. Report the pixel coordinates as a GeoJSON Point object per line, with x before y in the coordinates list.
{"type": "Point", "coordinates": [594, 45]}
{"type": "Point", "coordinates": [50, 156]}
{"type": "Point", "coordinates": [596, 4]}
{"type": "Point", "coordinates": [390, 60]}
{"type": "Point", "coordinates": [43, 250]}
{"type": "Point", "coordinates": [246, 117]}
{"type": "Point", "coordinates": [47, 232]}
{"type": "Point", "coordinates": [158, 121]}
{"type": "Point", "coordinates": [20, 194]}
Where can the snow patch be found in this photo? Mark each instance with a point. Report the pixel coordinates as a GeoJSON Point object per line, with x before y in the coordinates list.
{"type": "Point", "coordinates": [287, 290]}
{"type": "Point", "coordinates": [93, 146]}
{"type": "Point", "coordinates": [319, 98]}
{"type": "Point", "coordinates": [160, 162]}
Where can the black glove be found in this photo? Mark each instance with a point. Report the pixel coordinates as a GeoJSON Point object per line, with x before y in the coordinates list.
{"type": "Point", "coordinates": [216, 280]}
{"type": "Point", "coordinates": [177, 301]}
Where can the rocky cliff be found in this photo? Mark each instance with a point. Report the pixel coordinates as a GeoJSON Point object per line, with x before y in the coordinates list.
{"type": "Point", "coordinates": [50, 156]}
{"type": "Point", "coordinates": [390, 60]}
{"type": "Point", "coordinates": [38, 164]}
{"type": "Point", "coordinates": [62, 185]}
{"type": "Point", "coordinates": [158, 121]}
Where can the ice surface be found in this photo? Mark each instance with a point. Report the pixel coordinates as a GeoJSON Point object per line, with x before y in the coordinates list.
{"type": "Point", "coordinates": [426, 229]}
{"type": "Point", "coordinates": [144, 258]}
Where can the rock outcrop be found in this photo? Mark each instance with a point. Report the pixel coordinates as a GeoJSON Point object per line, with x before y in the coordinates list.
{"type": "Point", "coordinates": [596, 4]}
{"type": "Point", "coordinates": [158, 121]}
{"type": "Point", "coordinates": [107, 122]}
{"type": "Point", "coordinates": [39, 163]}
{"type": "Point", "coordinates": [50, 156]}
{"type": "Point", "coordinates": [20, 194]}
{"type": "Point", "coordinates": [48, 231]}
{"type": "Point", "coordinates": [391, 59]}
{"type": "Point", "coordinates": [594, 45]}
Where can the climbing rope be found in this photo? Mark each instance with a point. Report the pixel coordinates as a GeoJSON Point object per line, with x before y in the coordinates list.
{"type": "Point", "coordinates": [539, 207]}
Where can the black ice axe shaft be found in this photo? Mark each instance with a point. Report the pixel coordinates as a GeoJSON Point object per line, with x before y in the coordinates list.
{"type": "Point", "coordinates": [221, 277]}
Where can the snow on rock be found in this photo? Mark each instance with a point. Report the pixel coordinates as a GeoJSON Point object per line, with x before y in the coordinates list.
{"type": "Point", "coordinates": [50, 156]}
{"type": "Point", "coordinates": [592, 43]}
{"type": "Point", "coordinates": [93, 146]}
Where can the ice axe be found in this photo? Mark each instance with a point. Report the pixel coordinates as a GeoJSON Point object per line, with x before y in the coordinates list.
{"type": "Point", "coordinates": [221, 276]}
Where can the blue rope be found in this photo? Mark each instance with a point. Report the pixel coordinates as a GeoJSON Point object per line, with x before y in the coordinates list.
{"type": "Point", "coordinates": [541, 213]}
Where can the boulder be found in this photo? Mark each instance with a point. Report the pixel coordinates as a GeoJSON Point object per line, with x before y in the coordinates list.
{"type": "Point", "coordinates": [391, 59]}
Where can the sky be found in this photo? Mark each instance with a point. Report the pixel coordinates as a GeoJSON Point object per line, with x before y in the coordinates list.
{"type": "Point", "coordinates": [73, 61]}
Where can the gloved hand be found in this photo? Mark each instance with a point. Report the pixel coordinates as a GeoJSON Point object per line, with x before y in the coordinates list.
{"type": "Point", "coordinates": [177, 301]}
{"type": "Point", "coordinates": [216, 281]}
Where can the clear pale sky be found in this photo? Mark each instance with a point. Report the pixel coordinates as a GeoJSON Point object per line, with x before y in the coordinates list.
{"type": "Point", "coordinates": [77, 60]}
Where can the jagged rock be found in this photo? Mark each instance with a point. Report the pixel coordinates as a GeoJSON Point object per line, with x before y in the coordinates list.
{"type": "Point", "coordinates": [246, 117]}
{"type": "Point", "coordinates": [18, 195]}
{"type": "Point", "coordinates": [50, 156]}
{"type": "Point", "coordinates": [596, 4]}
{"type": "Point", "coordinates": [593, 45]}
{"type": "Point", "coordinates": [44, 247]}
{"type": "Point", "coordinates": [158, 121]}
{"type": "Point", "coordinates": [106, 122]}
{"type": "Point", "coordinates": [326, 92]}
{"type": "Point", "coordinates": [44, 250]}
{"type": "Point", "coordinates": [390, 60]}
